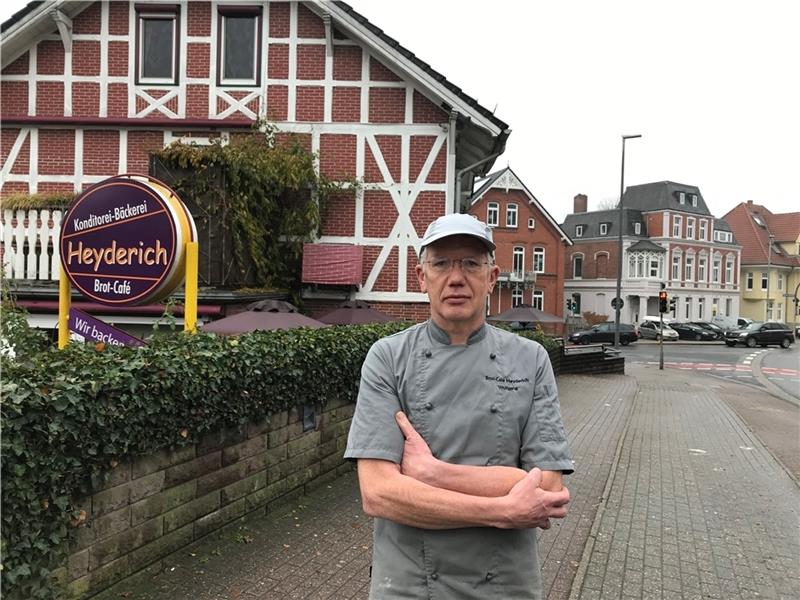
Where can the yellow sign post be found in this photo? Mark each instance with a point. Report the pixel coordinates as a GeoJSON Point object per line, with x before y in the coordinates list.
{"type": "Point", "coordinates": [190, 307]}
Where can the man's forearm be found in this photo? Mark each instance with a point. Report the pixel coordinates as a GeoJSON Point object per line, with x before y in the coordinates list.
{"type": "Point", "coordinates": [387, 493]}
{"type": "Point", "coordinates": [490, 481]}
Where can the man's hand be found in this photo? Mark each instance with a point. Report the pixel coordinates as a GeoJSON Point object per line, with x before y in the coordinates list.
{"type": "Point", "coordinates": [528, 505]}
{"type": "Point", "coordinates": [418, 460]}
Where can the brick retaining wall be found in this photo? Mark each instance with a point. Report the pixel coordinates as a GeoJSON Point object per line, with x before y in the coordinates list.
{"type": "Point", "coordinates": [160, 503]}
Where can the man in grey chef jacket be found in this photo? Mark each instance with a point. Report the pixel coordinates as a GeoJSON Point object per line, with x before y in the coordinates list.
{"type": "Point", "coordinates": [458, 438]}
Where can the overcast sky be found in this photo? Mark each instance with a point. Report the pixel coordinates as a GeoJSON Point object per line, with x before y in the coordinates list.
{"type": "Point", "coordinates": [713, 86]}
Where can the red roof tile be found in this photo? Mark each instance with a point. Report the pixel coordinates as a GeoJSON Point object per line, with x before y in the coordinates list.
{"type": "Point", "coordinates": [744, 222]}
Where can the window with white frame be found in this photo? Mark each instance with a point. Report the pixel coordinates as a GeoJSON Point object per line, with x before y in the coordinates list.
{"type": "Point", "coordinates": [511, 215]}
{"type": "Point", "coordinates": [682, 197]}
{"type": "Point", "coordinates": [716, 268]}
{"type": "Point", "coordinates": [689, 268]}
{"type": "Point", "coordinates": [157, 30]}
{"type": "Point", "coordinates": [701, 308]}
{"type": "Point", "coordinates": [694, 199]}
{"type": "Point", "coordinates": [577, 266]}
{"type": "Point", "coordinates": [578, 230]}
{"type": "Point", "coordinates": [492, 214]}
{"type": "Point", "coordinates": [538, 260]}
{"type": "Point", "coordinates": [728, 307]}
{"type": "Point", "coordinates": [688, 313]}
{"type": "Point", "coordinates": [780, 311]}
{"type": "Point", "coordinates": [637, 229]}
{"type": "Point", "coordinates": [749, 279]}
{"type": "Point", "coordinates": [780, 282]}
{"type": "Point", "coordinates": [729, 272]}
{"type": "Point", "coordinates": [538, 299]}
{"type": "Point", "coordinates": [723, 236]}
{"type": "Point", "coordinates": [703, 229]}
{"type": "Point", "coordinates": [516, 297]}
{"type": "Point", "coordinates": [645, 264]}
{"type": "Point", "coordinates": [676, 266]}
{"type": "Point", "coordinates": [655, 267]}
{"type": "Point", "coordinates": [676, 226]}
{"type": "Point", "coordinates": [690, 228]}
{"type": "Point", "coordinates": [240, 42]}
{"type": "Point", "coordinates": [702, 262]}
{"type": "Point", "coordinates": [677, 308]}
{"type": "Point", "coordinates": [770, 309]}
{"type": "Point", "coordinates": [603, 228]}
{"type": "Point", "coordinates": [714, 307]}
{"type": "Point", "coordinates": [518, 261]}
{"type": "Point", "coordinates": [764, 280]}
{"type": "Point", "coordinates": [531, 223]}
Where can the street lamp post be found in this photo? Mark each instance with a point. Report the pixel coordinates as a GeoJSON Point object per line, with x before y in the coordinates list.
{"type": "Point", "coordinates": [769, 276]}
{"type": "Point", "coordinates": [618, 298]}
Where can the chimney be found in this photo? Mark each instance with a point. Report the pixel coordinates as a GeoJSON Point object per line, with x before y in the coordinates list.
{"type": "Point", "coordinates": [581, 201]}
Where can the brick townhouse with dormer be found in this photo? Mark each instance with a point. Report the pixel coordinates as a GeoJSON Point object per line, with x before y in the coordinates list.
{"type": "Point", "coordinates": [91, 89]}
{"type": "Point", "coordinates": [531, 246]}
{"type": "Point", "coordinates": [668, 236]}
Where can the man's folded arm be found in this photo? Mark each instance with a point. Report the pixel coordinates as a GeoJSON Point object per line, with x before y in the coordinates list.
{"type": "Point", "coordinates": [387, 493]}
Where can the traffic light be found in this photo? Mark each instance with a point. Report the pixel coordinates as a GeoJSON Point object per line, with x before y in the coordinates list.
{"type": "Point", "coordinates": [569, 305]}
{"type": "Point", "coordinates": [662, 301]}
{"type": "Point", "coordinates": [574, 307]}
{"type": "Point", "coordinates": [672, 305]}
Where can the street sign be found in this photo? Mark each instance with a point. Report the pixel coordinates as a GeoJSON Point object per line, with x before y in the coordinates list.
{"type": "Point", "coordinates": [614, 302]}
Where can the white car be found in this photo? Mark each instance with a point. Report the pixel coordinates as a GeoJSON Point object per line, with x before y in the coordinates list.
{"type": "Point", "coordinates": [650, 330]}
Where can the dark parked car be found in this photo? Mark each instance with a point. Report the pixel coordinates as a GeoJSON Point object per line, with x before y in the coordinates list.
{"type": "Point", "coordinates": [604, 332]}
{"type": "Point", "coordinates": [711, 327]}
{"type": "Point", "coordinates": [690, 331]}
{"type": "Point", "coordinates": [761, 334]}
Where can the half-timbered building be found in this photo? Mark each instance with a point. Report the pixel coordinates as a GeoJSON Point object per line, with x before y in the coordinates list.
{"type": "Point", "coordinates": [91, 89]}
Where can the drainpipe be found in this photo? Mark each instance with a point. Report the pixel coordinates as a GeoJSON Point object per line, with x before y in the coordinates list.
{"type": "Point", "coordinates": [462, 172]}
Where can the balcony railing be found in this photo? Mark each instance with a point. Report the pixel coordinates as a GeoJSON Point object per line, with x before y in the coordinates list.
{"type": "Point", "coordinates": [29, 244]}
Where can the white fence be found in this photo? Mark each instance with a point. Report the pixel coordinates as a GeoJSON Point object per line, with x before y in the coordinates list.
{"type": "Point", "coordinates": [29, 244]}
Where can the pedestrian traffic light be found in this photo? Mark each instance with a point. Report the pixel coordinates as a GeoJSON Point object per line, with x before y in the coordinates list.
{"type": "Point", "coordinates": [672, 305]}
{"type": "Point", "coordinates": [662, 301]}
{"type": "Point", "coordinates": [569, 305]}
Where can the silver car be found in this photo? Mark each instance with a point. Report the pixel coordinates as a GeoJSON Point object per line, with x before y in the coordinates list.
{"type": "Point", "coordinates": [650, 330]}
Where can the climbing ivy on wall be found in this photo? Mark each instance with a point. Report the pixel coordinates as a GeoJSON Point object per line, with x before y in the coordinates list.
{"type": "Point", "coordinates": [264, 189]}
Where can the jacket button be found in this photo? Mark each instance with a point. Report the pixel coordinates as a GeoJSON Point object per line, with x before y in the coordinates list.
{"type": "Point", "coordinates": [493, 356]}
{"type": "Point", "coordinates": [493, 408]}
{"type": "Point", "coordinates": [489, 576]}
{"type": "Point", "coordinates": [428, 405]}
{"type": "Point", "coordinates": [427, 353]}
{"type": "Point", "coordinates": [434, 576]}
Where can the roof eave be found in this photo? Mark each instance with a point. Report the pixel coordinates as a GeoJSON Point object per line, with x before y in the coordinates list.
{"type": "Point", "coordinates": [387, 53]}
{"type": "Point", "coordinates": [34, 24]}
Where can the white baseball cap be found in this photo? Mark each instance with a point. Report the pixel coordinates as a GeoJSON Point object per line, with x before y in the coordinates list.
{"type": "Point", "coordinates": [458, 224]}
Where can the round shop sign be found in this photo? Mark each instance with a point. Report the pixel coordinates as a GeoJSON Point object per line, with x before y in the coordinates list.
{"type": "Point", "coordinates": [123, 241]}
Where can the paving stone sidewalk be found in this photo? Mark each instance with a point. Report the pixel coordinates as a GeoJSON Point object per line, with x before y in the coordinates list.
{"type": "Point", "coordinates": [696, 507]}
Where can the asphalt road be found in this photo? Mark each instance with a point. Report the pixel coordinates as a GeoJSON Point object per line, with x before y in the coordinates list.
{"type": "Point", "coordinates": [773, 369]}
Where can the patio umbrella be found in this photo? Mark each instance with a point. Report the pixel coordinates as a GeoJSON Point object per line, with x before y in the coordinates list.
{"type": "Point", "coordinates": [525, 313]}
{"type": "Point", "coordinates": [355, 313]}
{"type": "Point", "coordinates": [265, 315]}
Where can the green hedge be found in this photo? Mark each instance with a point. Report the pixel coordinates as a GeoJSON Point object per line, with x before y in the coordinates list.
{"type": "Point", "coordinates": [69, 416]}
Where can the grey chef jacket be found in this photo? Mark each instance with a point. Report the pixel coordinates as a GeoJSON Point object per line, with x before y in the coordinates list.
{"type": "Point", "coordinates": [491, 402]}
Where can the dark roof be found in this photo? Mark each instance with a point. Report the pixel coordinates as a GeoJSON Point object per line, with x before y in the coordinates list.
{"type": "Point", "coordinates": [591, 223]}
{"type": "Point", "coordinates": [664, 195]}
{"type": "Point", "coordinates": [646, 246]}
{"type": "Point", "coordinates": [486, 184]}
{"type": "Point", "coordinates": [17, 16]}
{"type": "Point", "coordinates": [722, 225]}
{"type": "Point", "coordinates": [423, 65]}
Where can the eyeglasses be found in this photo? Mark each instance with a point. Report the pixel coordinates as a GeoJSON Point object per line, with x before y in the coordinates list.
{"type": "Point", "coordinates": [441, 266]}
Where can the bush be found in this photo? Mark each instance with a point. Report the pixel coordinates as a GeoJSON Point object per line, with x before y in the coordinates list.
{"type": "Point", "coordinates": [69, 415]}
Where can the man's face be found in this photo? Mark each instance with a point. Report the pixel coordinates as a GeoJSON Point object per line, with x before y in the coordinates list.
{"type": "Point", "coordinates": [457, 296]}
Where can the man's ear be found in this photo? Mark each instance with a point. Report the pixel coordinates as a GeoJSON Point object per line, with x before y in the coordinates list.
{"type": "Point", "coordinates": [421, 279]}
{"type": "Point", "coordinates": [494, 273]}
